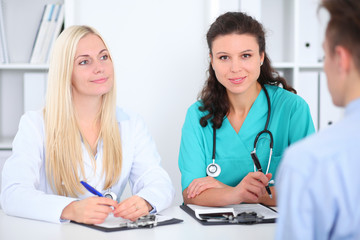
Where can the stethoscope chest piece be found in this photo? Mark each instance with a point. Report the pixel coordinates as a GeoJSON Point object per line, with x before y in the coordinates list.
{"type": "Point", "coordinates": [213, 170]}
{"type": "Point", "coordinates": [110, 195]}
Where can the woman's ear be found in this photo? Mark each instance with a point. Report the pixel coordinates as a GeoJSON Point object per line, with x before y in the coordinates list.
{"type": "Point", "coordinates": [262, 57]}
{"type": "Point", "coordinates": [211, 58]}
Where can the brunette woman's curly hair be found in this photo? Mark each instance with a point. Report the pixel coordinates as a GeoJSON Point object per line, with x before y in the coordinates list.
{"type": "Point", "coordinates": [213, 95]}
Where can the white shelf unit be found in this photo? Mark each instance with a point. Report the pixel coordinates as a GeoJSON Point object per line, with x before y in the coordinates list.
{"type": "Point", "coordinates": [295, 32]}
{"type": "Point", "coordinates": [21, 22]}
{"type": "Point", "coordinates": [294, 35]}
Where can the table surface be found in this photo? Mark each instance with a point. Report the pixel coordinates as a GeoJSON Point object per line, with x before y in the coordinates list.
{"type": "Point", "coordinates": [14, 228]}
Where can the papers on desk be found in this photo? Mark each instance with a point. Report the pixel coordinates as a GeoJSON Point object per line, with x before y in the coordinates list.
{"type": "Point", "coordinates": [112, 223]}
{"type": "Point", "coordinates": [239, 213]}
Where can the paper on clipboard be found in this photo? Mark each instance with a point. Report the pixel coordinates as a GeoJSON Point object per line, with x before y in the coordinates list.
{"type": "Point", "coordinates": [260, 209]}
{"type": "Point", "coordinates": [115, 222]}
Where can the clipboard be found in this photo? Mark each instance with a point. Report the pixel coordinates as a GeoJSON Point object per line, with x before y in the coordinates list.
{"type": "Point", "coordinates": [168, 221]}
{"type": "Point", "coordinates": [270, 218]}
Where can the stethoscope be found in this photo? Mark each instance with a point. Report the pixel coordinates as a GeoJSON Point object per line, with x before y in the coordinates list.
{"type": "Point", "coordinates": [110, 194]}
{"type": "Point", "coordinates": [214, 170]}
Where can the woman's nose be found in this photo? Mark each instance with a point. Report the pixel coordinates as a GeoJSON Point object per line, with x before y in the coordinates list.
{"type": "Point", "coordinates": [235, 66]}
{"type": "Point", "coordinates": [98, 67]}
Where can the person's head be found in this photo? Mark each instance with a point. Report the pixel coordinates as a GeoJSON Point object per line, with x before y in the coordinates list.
{"type": "Point", "coordinates": [237, 46]}
{"type": "Point", "coordinates": [342, 48]}
{"type": "Point", "coordinates": [236, 23]}
{"type": "Point", "coordinates": [80, 67]}
{"type": "Point", "coordinates": [67, 73]}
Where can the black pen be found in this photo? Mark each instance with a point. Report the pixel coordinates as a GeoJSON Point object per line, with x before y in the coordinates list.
{"type": "Point", "coordinates": [258, 167]}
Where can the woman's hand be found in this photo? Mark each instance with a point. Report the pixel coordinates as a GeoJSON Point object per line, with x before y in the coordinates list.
{"type": "Point", "coordinates": [92, 210]}
{"type": "Point", "coordinates": [132, 208]}
{"type": "Point", "coordinates": [199, 185]}
{"type": "Point", "coordinates": [252, 187]}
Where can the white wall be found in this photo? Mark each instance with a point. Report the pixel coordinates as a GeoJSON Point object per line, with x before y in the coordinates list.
{"type": "Point", "coordinates": [160, 58]}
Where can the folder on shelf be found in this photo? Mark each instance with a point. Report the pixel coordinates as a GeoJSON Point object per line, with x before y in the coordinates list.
{"type": "Point", "coordinates": [34, 90]}
{"type": "Point", "coordinates": [309, 48]}
{"type": "Point", "coordinates": [113, 224]}
{"type": "Point", "coordinates": [329, 113]}
{"type": "Point", "coordinates": [57, 25]}
{"type": "Point", "coordinates": [231, 214]}
{"type": "Point", "coordinates": [308, 89]}
{"type": "Point", "coordinates": [44, 29]}
{"type": "Point", "coordinates": [4, 56]}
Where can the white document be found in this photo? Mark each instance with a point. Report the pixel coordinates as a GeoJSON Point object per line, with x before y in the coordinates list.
{"type": "Point", "coordinates": [115, 222]}
{"type": "Point", "coordinates": [260, 209]}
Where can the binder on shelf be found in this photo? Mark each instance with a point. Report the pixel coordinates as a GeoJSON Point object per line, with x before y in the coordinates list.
{"type": "Point", "coordinates": [329, 113]}
{"type": "Point", "coordinates": [231, 214]}
{"type": "Point", "coordinates": [41, 35]}
{"type": "Point", "coordinates": [308, 89]}
{"type": "Point", "coordinates": [48, 35]}
{"type": "Point", "coordinates": [58, 26]}
{"type": "Point", "coordinates": [4, 56]}
{"type": "Point", "coordinates": [308, 33]}
{"type": "Point", "coordinates": [34, 90]}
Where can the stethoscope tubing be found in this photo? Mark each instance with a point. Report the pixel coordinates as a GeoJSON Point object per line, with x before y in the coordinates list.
{"type": "Point", "coordinates": [255, 141]}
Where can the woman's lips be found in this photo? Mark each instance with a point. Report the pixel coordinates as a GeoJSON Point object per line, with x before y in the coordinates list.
{"type": "Point", "coordinates": [100, 80]}
{"type": "Point", "coordinates": [237, 80]}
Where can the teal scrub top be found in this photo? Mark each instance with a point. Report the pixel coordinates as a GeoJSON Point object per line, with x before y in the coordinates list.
{"type": "Point", "coordinates": [290, 121]}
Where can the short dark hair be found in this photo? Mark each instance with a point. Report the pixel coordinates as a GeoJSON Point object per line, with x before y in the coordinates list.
{"type": "Point", "coordinates": [344, 26]}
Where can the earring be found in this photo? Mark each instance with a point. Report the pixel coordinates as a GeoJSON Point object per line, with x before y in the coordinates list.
{"type": "Point", "coordinates": [261, 63]}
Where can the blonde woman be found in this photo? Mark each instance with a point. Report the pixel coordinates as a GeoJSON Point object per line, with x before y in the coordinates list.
{"type": "Point", "coordinates": [81, 135]}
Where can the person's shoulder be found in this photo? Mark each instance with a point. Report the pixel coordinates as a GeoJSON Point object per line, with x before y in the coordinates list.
{"type": "Point", "coordinates": [124, 114]}
{"type": "Point", "coordinates": [282, 96]}
{"type": "Point", "coordinates": [34, 116]}
{"type": "Point", "coordinates": [194, 109]}
{"type": "Point", "coordinates": [128, 117]}
{"type": "Point", "coordinates": [317, 147]}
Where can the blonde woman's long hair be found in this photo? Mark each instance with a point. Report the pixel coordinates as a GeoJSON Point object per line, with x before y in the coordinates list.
{"type": "Point", "coordinates": [63, 146]}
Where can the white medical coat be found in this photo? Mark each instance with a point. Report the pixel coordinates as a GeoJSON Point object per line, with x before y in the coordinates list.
{"type": "Point", "coordinates": [26, 191]}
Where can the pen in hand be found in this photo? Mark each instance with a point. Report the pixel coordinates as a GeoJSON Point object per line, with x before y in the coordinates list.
{"type": "Point", "coordinates": [91, 189]}
{"type": "Point", "coordinates": [258, 167]}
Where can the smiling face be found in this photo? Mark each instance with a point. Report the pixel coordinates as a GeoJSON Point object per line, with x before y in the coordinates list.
{"type": "Point", "coordinates": [236, 61]}
{"type": "Point", "coordinates": [93, 72]}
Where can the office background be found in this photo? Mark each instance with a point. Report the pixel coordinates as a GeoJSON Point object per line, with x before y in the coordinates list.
{"type": "Point", "coordinates": [160, 56]}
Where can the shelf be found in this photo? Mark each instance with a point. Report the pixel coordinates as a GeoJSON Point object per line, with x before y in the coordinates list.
{"type": "Point", "coordinates": [316, 66]}
{"type": "Point", "coordinates": [6, 143]}
{"type": "Point", "coordinates": [23, 66]}
{"type": "Point", "coordinates": [283, 65]}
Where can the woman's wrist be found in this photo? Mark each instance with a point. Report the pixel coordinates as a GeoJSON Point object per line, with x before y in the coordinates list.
{"type": "Point", "coordinates": [67, 211]}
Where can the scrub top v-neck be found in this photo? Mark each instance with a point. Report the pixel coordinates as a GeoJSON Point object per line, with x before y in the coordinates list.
{"type": "Point", "coordinates": [290, 121]}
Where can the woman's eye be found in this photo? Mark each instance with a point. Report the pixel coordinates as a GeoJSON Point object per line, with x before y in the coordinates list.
{"type": "Point", "coordinates": [105, 57]}
{"type": "Point", "coordinates": [83, 62]}
{"type": "Point", "coordinates": [223, 57]}
{"type": "Point", "coordinates": [246, 55]}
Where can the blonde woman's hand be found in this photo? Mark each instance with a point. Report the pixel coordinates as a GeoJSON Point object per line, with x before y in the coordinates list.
{"type": "Point", "coordinates": [132, 208]}
{"type": "Point", "coordinates": [92, 210]}
{"type": "Point", "coordinates": [199, 185]}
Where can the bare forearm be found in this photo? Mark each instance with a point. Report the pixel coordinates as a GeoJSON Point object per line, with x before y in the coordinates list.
{"type": "Point", "coordinates": [214, 197]}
